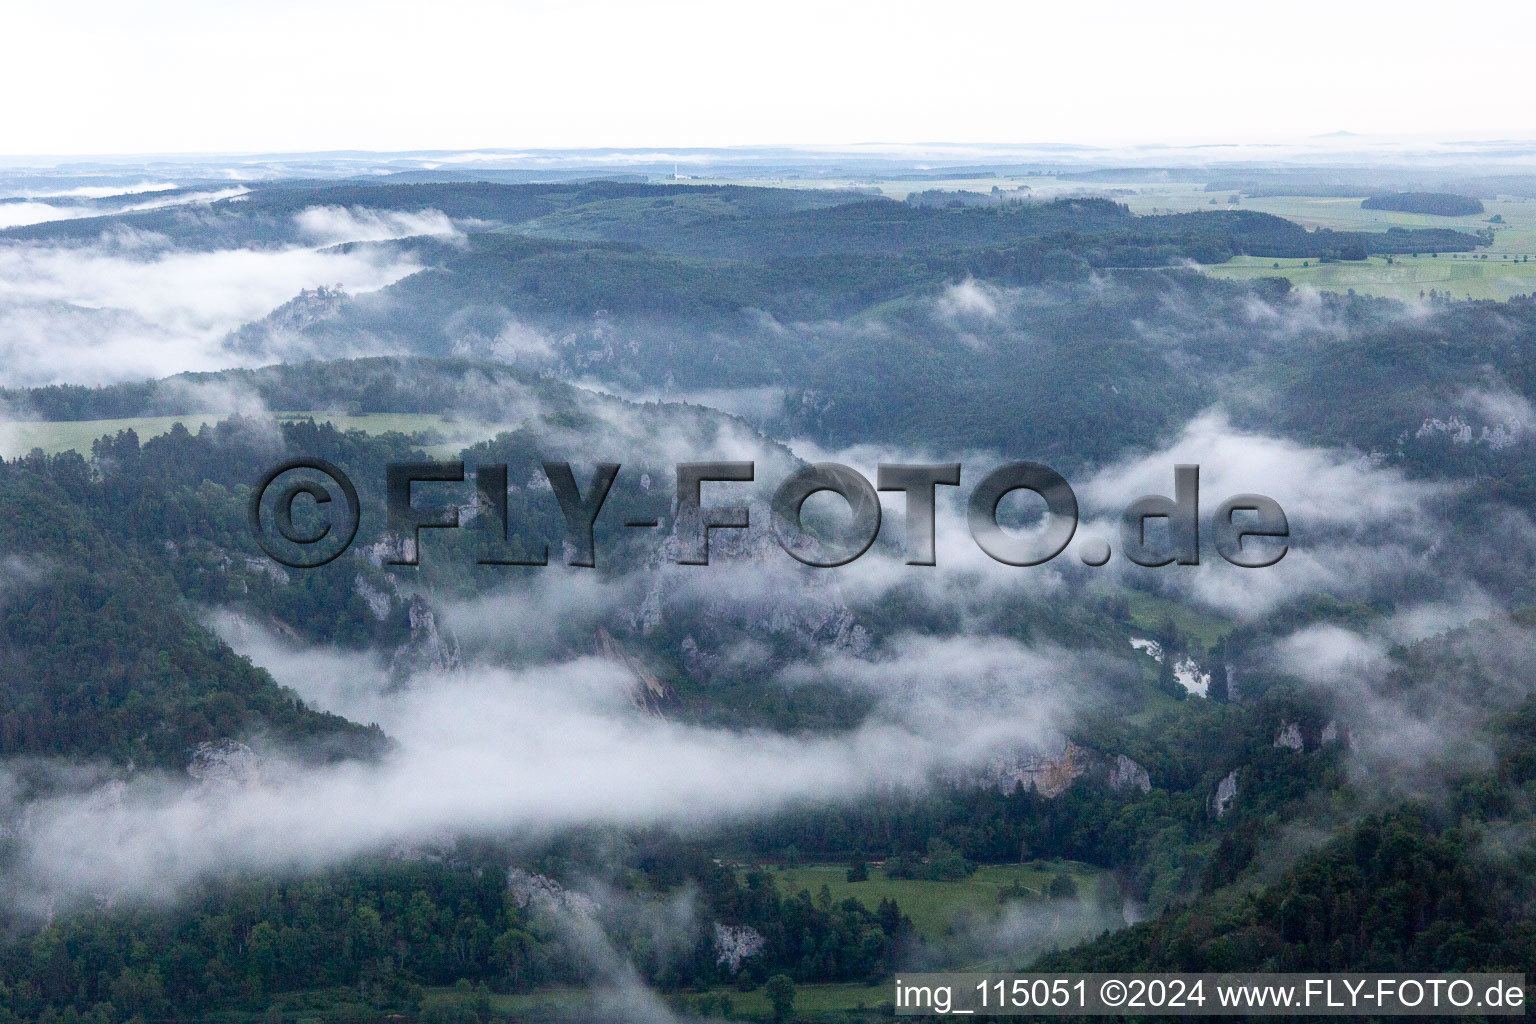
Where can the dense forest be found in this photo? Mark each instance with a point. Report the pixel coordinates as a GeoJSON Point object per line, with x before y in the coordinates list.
{"type": "Point", "coordinates": [1439, 204]}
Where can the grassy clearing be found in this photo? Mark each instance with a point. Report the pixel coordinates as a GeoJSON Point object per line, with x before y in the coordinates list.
{"type": "Point", "coordinates": [1497, 277]}
{"type": "Point", "coordinates": [19, 437]}
{"type": "Point", "coordinates": [932, 906]}
{"type": "Point", "coordinates": [810, 1000]}
{"type": "Point", "coordinates": [1148, 612]}
{"type": "Point", "coordinates": [570, 1003]}
{"type": "Point", "coordinates": [1493, 272]}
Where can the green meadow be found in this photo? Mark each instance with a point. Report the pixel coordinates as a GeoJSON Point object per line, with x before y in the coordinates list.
{"type": "Point", "coordinates": [1499, 271]}
{"type": "Point", "coordinates": [1463, 275]}
{"type": "Point", "coordinates": [933, 906]}
{"type": "Point", "coordinates": [811, 1002]}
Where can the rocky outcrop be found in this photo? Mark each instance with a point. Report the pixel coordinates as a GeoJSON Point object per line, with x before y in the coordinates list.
{"type": "Point", "coordinates": [1289, 737]}
{"type": "Point", "coordinates": [275, 329]}
{"type": "Point", "coordinates": [1050, 774]}
{"type": "Point", "coordinates": [541, 893]}
{"type": "Point", "coordinates": [388, 548]}
{"type": "Point", "coordinates": [377, 599]}
{"type": "Point", "coordinates": [224, 762]}
{"type": "Point", "coordinates": [1047, 774]}
{"type": "Point", "coordinates": [648, 692]}
{"type": "Point", "coordinates": [1497, 436]}
{"type": "Point", "coordinates": [269, 567]}
{"type": "Point", "coordinates": [768, 592]}
{"type": "Point", "coordinates": [1226, 792]}
{"type": "Point", "coordinates": [1125, 775]}
{"type": "Point", "coordinates": [428, 648]}
{"type": "Point", "coordinates": [436, 847]}
{"type": "Point", "coordinates": [735, 943]}
{"type": "Point", "coordinates": [698, 663]}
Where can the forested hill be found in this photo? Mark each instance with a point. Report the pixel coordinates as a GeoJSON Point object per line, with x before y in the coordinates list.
{"type": "Point", "coordinates": [1103, 232]}
{"type": "Point", "coordinates": [741, 223]}
{"type": "Point", "coordinates": [1419, 885]}
{"type": "Point", "coordinates": [377, 384]}
{"type": "Point", "coordinates": [100, 657]}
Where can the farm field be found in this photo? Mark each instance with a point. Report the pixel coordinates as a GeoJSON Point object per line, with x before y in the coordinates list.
{"type": "Point", "coordinates": [1404, 278]}
{"type": "Point", "coordinates": [1149, 612]}
{"type": "Point", "coordinates": [568, 1003]}
{"type": "Point", "coordinates": [932, 906]}
{"type": "Point", "coordinates": [1497, 272]}
{"type": "Point", "coordinates": [1501, 275]}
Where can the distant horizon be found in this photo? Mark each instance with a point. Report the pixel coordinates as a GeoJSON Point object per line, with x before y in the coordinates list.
{"type": "Point", "coordinates": [1333, 148]}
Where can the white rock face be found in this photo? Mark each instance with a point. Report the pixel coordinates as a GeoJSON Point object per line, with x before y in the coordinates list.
{"type": "Point", "coordinates": [1051, 774]}
{"type": "Point", "coordinates": [225, 761]}
{"type": "Point", "coordinates": [1047, 774]}
{"type": "Point", "coordinates": [735, 943]}
{"type": "Point", "coordinates": [648, 692]}
{"type": "Point", "coordinates": [1289, 737]}
{"type": "Point", "coordinates": [1231, 671]}
{"type": "Point", "coordinates": [1330, 733]}
{"type": "Point", "coordinates": [377, 599]}
{"type": "Point", "coordinates": [388, 548]}
{"type": "Point", "coordinates": [1149, 647]}
{"type": "Point", "coordinates": [697, 663]}
{"type": "Point", "coordinates": [271, 568]}
{"type": "Point", "coordinates": [1496, 436]}
{"type": "Point", "coordinates": [541, 893]}
{"type": "Point", "coordinates": [769, 593]}
{"type": "Point", "coordinates": [436, 847]}
{"type": "Point", "coordinates": [428, 647]}
{"type": "Point", "coordinates": [1125, 774]}
{"type": "Point", "coordinates": [1226, 792]}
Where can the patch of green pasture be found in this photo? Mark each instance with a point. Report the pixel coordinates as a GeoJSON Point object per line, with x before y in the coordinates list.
{"type": "Point", "coordinates": [564, 1003]}
{"type": "Point", "coordinates": [1148, 613]}
{"type": "Point", "coordinates": [1462, 275]}
{"type": "Point", "coordinates": [932, 906]}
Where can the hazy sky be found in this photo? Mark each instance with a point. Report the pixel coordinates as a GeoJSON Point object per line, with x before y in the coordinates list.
{"type": "Point", "coordinates": [181, 76]}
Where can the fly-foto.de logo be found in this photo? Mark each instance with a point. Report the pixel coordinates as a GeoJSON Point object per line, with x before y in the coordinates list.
{"type": "Point", "coordinates": [305, 512]}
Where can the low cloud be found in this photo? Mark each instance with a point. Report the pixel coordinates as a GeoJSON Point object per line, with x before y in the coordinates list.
{"type": "Point", "coordinates": [88, 191]}
{"type": "Point", "coordinates": [1355, 524]}
{"type": "Point", "coordinates": [332, 225]}
{"type": "Point", "coordinates": [491, 752]}
{"type": "Point", "coordinates": [1418, 715]}
{"type": "Point", "coordinates": [102, 314]}
{"type": "Point", "coordinates": [31, 211]}
{"type": "Point", "coordinates": [971, 299]}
